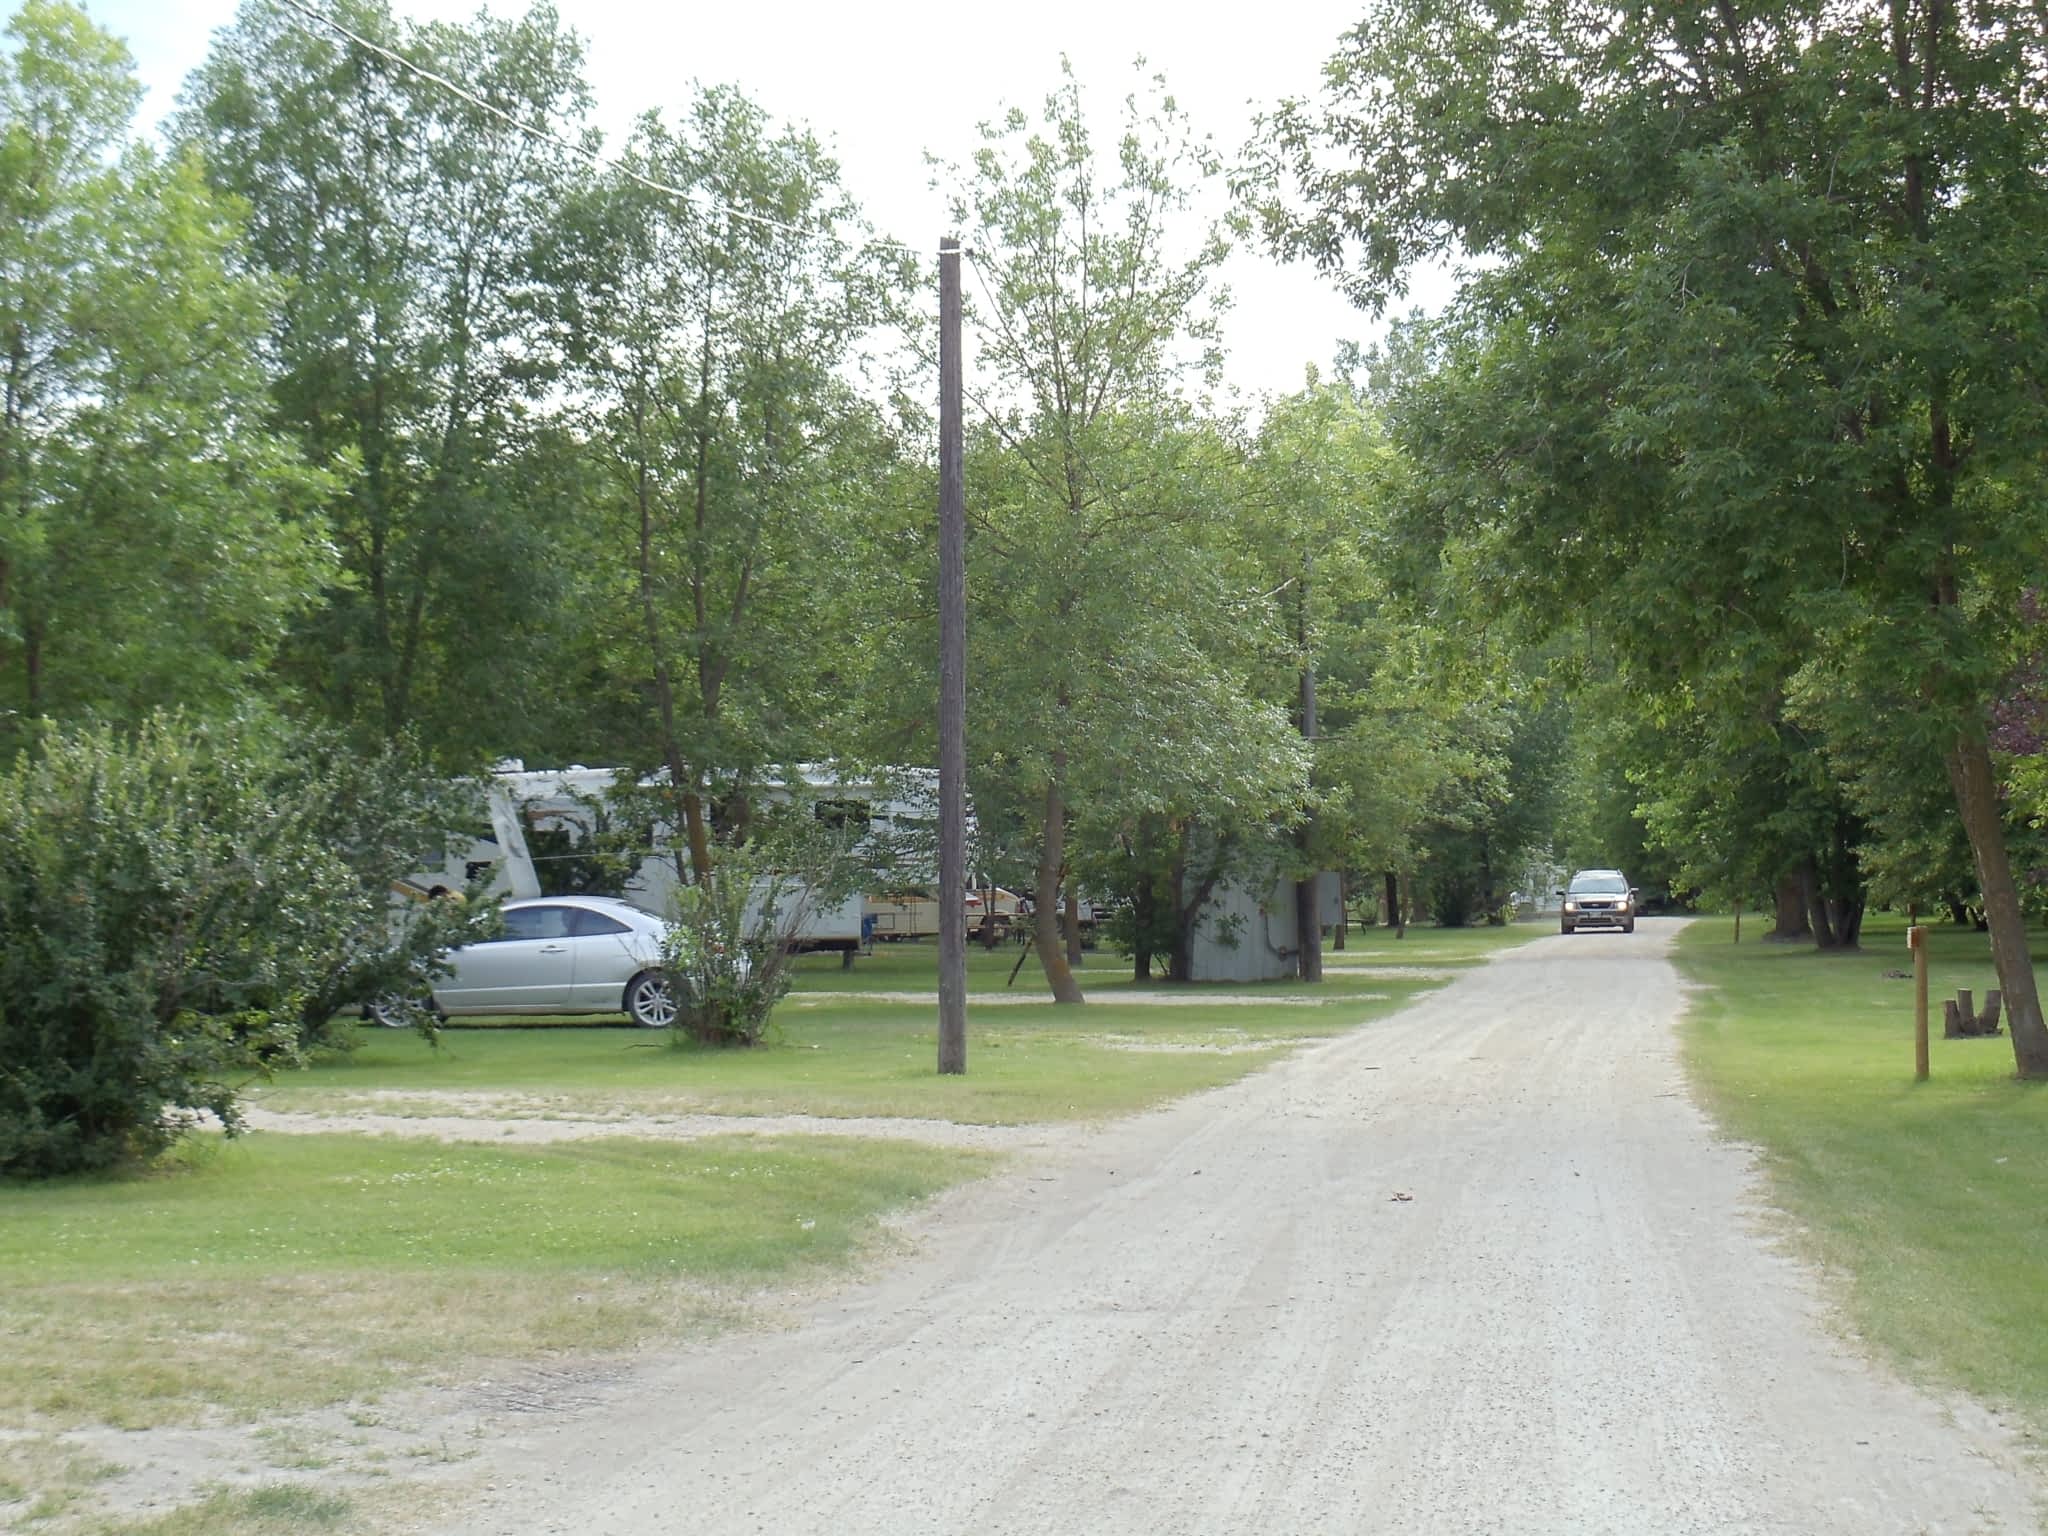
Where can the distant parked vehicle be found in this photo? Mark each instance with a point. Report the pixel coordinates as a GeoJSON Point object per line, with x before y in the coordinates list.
{"type": "Point", "coordinates": [1598, 898]}
{"type": "Point", "coordinates": [558, 954]}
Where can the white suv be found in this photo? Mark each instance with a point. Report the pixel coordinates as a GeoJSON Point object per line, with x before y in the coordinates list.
{"type": "Point", "coordinates": [1598, 898]}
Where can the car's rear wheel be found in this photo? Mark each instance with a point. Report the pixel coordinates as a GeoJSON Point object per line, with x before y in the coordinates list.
{"type": "Point", "coordinates": [651, 1000]}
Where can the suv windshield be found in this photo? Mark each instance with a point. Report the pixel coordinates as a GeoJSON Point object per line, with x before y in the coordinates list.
{"type": "Point", "coordinates": [1598, 885]}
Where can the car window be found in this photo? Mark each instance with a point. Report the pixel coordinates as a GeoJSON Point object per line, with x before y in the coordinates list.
{"type": "Point", "coordinates": [585, 924]}
{"type": "Point", "coordinates": [1599, 885]}
{"type": "Point", "coordinates": [537, 923]}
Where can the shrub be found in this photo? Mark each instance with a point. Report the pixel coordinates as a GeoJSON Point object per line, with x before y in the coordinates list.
{"type": "Point", "coordinates": [734, 935]}
{"type": "Point", "coordinates": [181, 909]}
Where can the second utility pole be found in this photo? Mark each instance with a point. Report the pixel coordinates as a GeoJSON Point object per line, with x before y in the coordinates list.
{"type": "Point", "coordinates": [952, 677]}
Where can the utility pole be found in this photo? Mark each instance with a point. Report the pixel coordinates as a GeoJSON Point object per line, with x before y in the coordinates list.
{"type": "Point", "coordinates": [1308, 891]}
{"type": "Point", "coordinates": [952, 677]}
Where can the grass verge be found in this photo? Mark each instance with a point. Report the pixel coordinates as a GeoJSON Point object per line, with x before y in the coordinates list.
{"type": "Point", "coordinates": [837, 1049]}
{"type": "Point", "coordinates": [1922, 1201]}
{"type": "Point", "coordinates": [263, 1276]}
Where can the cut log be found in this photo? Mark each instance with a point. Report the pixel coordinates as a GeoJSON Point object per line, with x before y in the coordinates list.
{"type": "Point", "coordinates": [1951, 1019]}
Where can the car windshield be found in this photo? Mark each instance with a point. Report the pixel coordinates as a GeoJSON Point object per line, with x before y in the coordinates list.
{"type": "Point", "coordinates": [1598, 885]}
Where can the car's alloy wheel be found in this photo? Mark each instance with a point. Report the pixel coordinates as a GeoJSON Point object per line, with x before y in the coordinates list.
{"type": "Point", "coordinates": [394, 1010]}
{"type": "Point", "coordinates": [651, 1000]}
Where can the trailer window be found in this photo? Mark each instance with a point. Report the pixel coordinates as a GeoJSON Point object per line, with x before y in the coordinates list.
{"type": "Point", "coordinates": [846, 815]}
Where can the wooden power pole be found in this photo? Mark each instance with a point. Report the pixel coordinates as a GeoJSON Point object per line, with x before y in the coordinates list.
{"type": "Point", "coordinates": [952, 677]}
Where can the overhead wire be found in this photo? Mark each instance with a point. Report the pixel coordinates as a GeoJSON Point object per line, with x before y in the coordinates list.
{"type": "Point", "coordinates": [548, 135]}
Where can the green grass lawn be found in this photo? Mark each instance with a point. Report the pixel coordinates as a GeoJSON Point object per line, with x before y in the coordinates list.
{"type": "Point", "coordinates": [857, 1055]}
{"type": "Point", "coordinates": [1923, 1201]}
{"type": "Point", "coordinates": [277, 1272]}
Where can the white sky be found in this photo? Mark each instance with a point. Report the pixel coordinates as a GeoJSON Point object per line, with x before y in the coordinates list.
{"type": "Point", "coordinates": [885, 83]}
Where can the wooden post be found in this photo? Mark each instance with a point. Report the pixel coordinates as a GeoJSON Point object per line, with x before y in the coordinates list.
{"type": "Point", "coordinates": [952, 677]}
{"type": "Point", "coordinates": [1916, 941]}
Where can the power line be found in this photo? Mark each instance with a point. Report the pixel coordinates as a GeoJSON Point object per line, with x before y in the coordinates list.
{"type": "Point", "coordinates": [537, 131]}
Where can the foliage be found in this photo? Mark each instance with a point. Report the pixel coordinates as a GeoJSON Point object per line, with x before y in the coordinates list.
{"type": "Point", "coordinates": [1752, 377]}
{"type": "Point", "coordinates": [154, 541]}
{"type": "Point", "coordinates": [734, 458]}
{"type": "Point", "coordinates": [735, 934]}
{"type": "Point", "coordinates": [417, 349]}
{"type": "Point", "coordinates": [181, 909]}
{"type": "Point", "coordinates": [1110, 648]}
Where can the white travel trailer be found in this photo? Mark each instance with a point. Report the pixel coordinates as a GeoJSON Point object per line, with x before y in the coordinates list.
{"type": "Point", "coordinates": [538, 816]}
{"type": "Point", "coordinates": [914, 913]}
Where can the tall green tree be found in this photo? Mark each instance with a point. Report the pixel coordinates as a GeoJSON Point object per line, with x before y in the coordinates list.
{"type": "Point", "coordinates": [736, 461]}
{"type": "Point", "coordinates": [1096, 600]}
{"type": "Point", "coordinates": [155, 540]}
{"type": "Point", "coordinates": [1757, 359]}
{"type": "Point", "coordinates": [419, 344]}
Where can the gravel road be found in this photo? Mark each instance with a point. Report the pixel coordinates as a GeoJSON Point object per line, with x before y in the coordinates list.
{"type": "Point", "coordinates": [1480, 1267]}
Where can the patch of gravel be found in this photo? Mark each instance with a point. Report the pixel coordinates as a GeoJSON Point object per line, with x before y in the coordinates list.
{"type": "Point", "coordinates": [530, 1131]}
{"type": "Point", "coordinates": [1373, 968]}
{"type": "Point", "coordinates": [1118, 998]}
{"type": "Point", "coordinates": [1193, 1047]}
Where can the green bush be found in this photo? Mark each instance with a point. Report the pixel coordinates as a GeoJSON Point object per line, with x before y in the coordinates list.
{"type": "Point", "coordinates": [734, 935]}
{"type": "Point", "coordinates": [729, 950]}
{"type": "Point", "coordinates": [181, 909]}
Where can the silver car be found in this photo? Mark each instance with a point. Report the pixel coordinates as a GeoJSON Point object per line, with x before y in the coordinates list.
{"type": "Point", "coordinates": [558, 954]}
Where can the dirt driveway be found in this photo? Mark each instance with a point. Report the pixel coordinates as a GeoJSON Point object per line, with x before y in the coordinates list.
{"type": "Point", "coordinates": [1480, 1267]}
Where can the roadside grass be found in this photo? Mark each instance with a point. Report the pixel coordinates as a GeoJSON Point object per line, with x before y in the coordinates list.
{"type": "Point", "coordinates": [850, 1056]}
{"type": "Point", "coordinates": [263, 1276]}
{"type": "Point", "coordinates": [1922, 1201]}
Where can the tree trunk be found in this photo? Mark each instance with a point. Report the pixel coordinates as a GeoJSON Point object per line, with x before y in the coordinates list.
{"type": "Point", "coordinates": [1848, 921]}
{"type": "Point", "coordinates": [1045, 928]}
{"type": "Point", "coordinates": [1071, 914]}
{"type": "Point", "coordinates": [1343, 913]}
{"type": "Point", "coordinates": [1976, 790]}
{"type": "Point", "coordinates": [1791, 904]}
{"type": "Point", "coordinates": [1401, 910]}
{"type": "Point", "coordinates": [1143, 906]}
{"type": "Point", "coordinates": [1308, 927]}
{"type": "Point", "coordinates": [1187, 906]}
{"type": "Point", "coordinates": [1816, 906]}
{"type": "Point", "coordinates": [699, 834]}
{"type": "Point", "coordinates": [1393, 899]}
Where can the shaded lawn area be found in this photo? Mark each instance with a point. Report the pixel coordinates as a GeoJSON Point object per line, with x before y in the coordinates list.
{"type": "Point", "coordinates": [1924, 1201]}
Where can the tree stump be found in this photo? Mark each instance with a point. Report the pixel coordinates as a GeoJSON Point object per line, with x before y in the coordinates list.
{"type": "Point", "coordinates": [1960, 1019]}
{"type": "Point", "coordinates": [1987, 1021]}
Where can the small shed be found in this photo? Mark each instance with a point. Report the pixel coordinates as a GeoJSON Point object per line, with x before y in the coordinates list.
{"type": "Point", "coordinates": [1251, 935]}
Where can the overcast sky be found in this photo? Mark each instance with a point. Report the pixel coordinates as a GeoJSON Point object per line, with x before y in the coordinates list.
{"type": "Point", "coordinates": [886, 83]}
